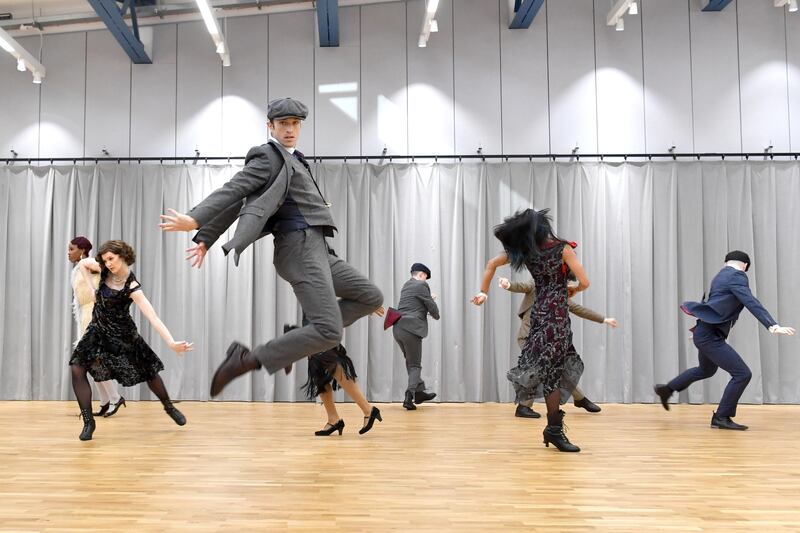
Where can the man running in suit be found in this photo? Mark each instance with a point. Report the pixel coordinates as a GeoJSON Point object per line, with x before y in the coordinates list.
{"type": "Point", "coordinates": [528, 288]}
{"type": "Point", "coordinates": [729, 294]}
{"type": "Point", "coordinates": [416, 303]}
{"type": "Point", "coordinates": [276, 193]}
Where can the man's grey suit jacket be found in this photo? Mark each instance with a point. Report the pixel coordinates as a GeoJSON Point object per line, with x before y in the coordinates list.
{"type": "Point", "coordinates": [415, 305]}
{"type": "Point", "coordinates": [252, 196]}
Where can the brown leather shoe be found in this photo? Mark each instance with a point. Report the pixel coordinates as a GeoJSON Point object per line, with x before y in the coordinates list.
{"type": "Point", "coordinates": [239, 361]}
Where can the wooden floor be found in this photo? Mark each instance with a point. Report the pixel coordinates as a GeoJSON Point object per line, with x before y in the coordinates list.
{"type": "Point", "coordinates": [448, 467]}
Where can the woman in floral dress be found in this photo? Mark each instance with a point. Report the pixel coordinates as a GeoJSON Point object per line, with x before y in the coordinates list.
{"type": "Point", "coordinates": [549, 366]}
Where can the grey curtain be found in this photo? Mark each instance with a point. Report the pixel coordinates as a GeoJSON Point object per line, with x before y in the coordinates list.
{"type": "Point", "coordinates": [650, 236]}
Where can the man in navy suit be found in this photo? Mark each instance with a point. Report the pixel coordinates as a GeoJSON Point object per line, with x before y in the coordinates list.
{"type": "Point", "coordinates": [716, 315]}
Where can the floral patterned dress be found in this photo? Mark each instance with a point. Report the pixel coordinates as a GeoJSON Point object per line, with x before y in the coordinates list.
{"type": "Point", "coordinates": [548, 361]}
{"type": "Point", "coordinates": [112, 348]}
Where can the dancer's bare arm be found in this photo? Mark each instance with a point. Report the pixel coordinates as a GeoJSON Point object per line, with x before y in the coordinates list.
{"type": "Point", "coordinates": [89, 266]}
{"type": "Point", "coordinates": [576, 267]}
{"type": "Point", "coordinates": [488, 274]}
{"type": "Point", "coordinates": [147, 310]}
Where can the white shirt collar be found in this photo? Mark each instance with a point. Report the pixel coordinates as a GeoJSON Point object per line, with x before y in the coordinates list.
{"type": "Point", "coordinates": [290, 150]}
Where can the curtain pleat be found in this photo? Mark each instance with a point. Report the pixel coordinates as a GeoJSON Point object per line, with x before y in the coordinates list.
{"type": "Point", "coordinates": [650, 235]}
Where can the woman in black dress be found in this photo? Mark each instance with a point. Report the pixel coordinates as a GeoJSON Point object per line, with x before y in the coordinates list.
{"type": "Point", "coordinates": [327, 371]}
{"type": "Point", "coordinates": [112, 348]}
{"type": "Point", "coordinates": [549, 366]}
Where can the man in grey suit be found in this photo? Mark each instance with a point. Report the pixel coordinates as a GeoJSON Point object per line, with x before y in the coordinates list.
{"type": "Point", "coordinates": [416, 303]}
{"type": "Point", "coordinates": [276, 193]}
{"type": "Point", "coordinates": [528, 288]}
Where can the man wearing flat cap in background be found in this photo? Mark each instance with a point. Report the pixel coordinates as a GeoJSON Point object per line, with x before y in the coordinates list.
{"type": "Point", "coordinates": [416, 303]}
{"type": "Point", "coordinates": [276, 193]}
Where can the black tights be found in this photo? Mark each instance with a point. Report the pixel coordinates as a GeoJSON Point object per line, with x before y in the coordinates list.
{"type": "Point", "coordinates": [83, 391]}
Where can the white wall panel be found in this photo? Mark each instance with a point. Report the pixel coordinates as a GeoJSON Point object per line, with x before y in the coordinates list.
{"type": "Point", "coordinates": [430, 83]}
{"type": "Point", "coordinates": [199, 90]}
{"type": "Point", "coordinates": [715, 79]}
{"type": "Point", "coordinates": [476, 62]}
{"type": "Point", "coordinates": [153, 97]}
{"type": "Point", "coordinates": [337, 88]}
{"type": "Point", "coordinates": [63, 95]}
{"type": "Point", "coordinates": [244, 86]}
{"type": "Point", "coordinates": [108, 96]}
{"type": "Point", "coordinates": [762, 65]}
{"type": "Point", "coordinates": [793, 71]}
{"type": "Point", "coordinates": [291, 65]}
{"type": "Point", "coordinates": [384, 77]}
{"type": "Point", "coordinates": [620, 96]}
{"type": "Point", "coordinates": [571, 60]}
{"type": "Point", "coordinates": [19, 105]}
{"type": "Point", "coordinates": [523, 62]}
{"type": "Point", "coordinates": [667, 76]}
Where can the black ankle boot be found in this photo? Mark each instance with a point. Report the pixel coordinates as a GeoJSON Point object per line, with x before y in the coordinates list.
{"type": "Point", "coordinates": [88, 425]}
{"type": "Point", "coordinates": [554, 433]}
{"type": "Point", "coordinates": [174, 414]}
{"type": "Point", "coordinates": [408, 403]}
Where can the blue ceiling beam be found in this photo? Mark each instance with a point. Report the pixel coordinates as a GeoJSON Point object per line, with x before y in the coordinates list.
{"type": "Point", "coordinates": [127, 37]}
{"type": "Point", "coordinates": [525, 11]}
{"type": "Point", "coordinates": [716, 5]}
{"type": "Point", "coordinates": [328, 22]}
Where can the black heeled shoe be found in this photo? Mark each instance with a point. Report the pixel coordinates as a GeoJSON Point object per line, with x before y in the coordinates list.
{"type": "Point", "coordinates": [330, 428]}
{"type": "Point", "coordinates": [374, 414]}
{"type": "Point", "coordinates": [103, 409]}
{"type": "Point", "coordinates": [174, 414]}
{"type": "Point", "coordinates": [88, 425]}
{"type": "Point", "coordinates": [115, 407]}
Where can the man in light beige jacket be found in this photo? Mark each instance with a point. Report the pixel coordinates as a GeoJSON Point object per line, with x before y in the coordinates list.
{"type": "Point", "coordinates": [528, 288]}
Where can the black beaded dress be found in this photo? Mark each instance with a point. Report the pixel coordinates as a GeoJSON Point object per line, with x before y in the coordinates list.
{"type": "Point", "coordinates": [112, 348]}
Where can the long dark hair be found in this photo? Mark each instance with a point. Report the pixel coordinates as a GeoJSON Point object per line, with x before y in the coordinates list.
{"type": "Point", "coordinates": [523, 235]}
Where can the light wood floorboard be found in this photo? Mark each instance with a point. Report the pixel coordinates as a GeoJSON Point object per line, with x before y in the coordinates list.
{"type": "Point", "coordinates": [444, 467]}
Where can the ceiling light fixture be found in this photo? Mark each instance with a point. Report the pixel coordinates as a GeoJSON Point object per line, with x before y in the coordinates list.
{"type": "Point", "coordinates": [25, 61]}
{"type": "Point", "coordinates": [212, 25]}
{"type": "Point", "coordinates": [429, 24]}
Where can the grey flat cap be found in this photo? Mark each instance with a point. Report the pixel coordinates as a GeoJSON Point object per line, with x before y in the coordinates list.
{"type": "Point", "coordinates": [286, 107]}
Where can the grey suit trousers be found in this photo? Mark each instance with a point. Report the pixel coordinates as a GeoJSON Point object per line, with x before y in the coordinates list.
{"type": "Point", "coordinates": [411, 346]}
{"type": "Point", "coordinates": [317, 279]}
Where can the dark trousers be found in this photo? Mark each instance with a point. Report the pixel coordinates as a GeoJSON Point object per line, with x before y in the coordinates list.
{"type": "Point", "coordinates": [411, 346]}
{"type": "Point", "coordinates": [714, 352]}
{"type": "Point", "coordinates": [331, 293]}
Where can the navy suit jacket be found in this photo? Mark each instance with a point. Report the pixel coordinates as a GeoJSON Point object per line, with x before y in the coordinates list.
{"type": "Point", "coordinates": [729, 294]}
